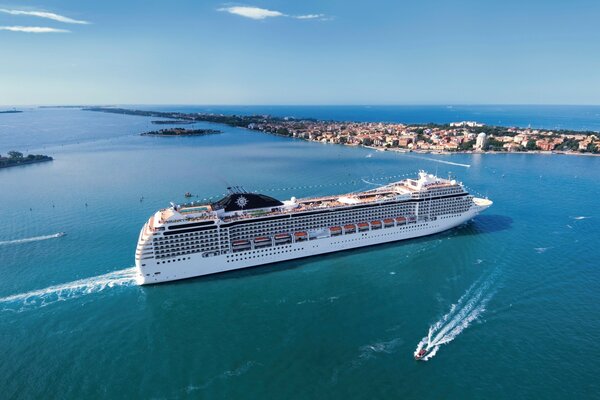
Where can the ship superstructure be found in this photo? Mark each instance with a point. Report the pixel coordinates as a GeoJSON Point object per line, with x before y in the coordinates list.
{"type": "Point", "coordinates": [247, 229]}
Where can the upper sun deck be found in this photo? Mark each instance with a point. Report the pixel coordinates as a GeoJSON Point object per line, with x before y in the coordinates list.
{"type": "Point", "coordinates": [243, 206]}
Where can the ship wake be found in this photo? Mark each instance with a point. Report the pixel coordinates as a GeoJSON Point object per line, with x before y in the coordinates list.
{"type": "Point", "coordinates": [31, 239]}
{"type": "Point", "coordinates": [67, 291]}
{"type": "Point", "coordinates": [461, 314]}
{"type": "Point", "coordinates": [439, 161]}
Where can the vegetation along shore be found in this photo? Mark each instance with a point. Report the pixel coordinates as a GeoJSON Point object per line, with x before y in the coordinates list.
{"type": "Point", "coordinates": [181, 132]}
{"type": "Point", "coordinates": [16, 158]}
{"type": "Point", "coordinates": [464, 136]}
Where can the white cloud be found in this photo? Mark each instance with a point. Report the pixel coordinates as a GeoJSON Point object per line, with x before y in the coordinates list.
{"type": "Point", "coordinates": [252, 12]}
{"type": "Point", "coordinates": [310, 16]}
{"type": "Point", "coordinates": [44, 14]}
{"type": "Point", "coordinates": [258, 13]}
{"type": "Point", "coordinates": [32, 29]}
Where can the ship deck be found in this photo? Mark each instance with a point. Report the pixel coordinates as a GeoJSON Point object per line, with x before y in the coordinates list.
{"type": "Point", "coordinates": [191, 211]}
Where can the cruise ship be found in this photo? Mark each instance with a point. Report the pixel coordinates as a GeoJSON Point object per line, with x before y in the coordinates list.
{"type": "Point", "coordinates": [248, 229]}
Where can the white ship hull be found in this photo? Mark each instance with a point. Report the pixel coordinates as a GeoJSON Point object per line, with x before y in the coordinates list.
{"type": "Point", "coordinates": [194, 265]}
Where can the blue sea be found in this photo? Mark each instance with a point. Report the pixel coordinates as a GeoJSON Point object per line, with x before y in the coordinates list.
{"type": "Point", "coordinates": [512, 297]}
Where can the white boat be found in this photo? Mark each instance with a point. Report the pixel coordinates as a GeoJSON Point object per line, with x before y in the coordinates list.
{"type": "Point", "coordinates": [246, 229]}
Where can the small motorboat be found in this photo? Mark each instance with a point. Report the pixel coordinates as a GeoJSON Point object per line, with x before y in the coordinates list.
{"type": "Point", "coordinates": [61, 234]}
{"type": "Point", "coordinates": [422, 353]}
{"type": "Point", "coordinates": [188, 194]}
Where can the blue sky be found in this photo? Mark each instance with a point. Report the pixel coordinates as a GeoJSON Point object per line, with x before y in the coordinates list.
{"type": "Point", "coordinates": [300, 52]}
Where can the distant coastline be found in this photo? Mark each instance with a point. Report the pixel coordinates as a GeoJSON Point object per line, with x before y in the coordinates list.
{"type": "Point", "coordinates": [456, 137]}
{"type": "Point", "coordinates": [181, 132]}
{"type": "Point", "coordinates": [16, 159]}
{"type": "Point", "coordinates": [169, 122]}
{"type": "Point", "coordinates": [11, 112]}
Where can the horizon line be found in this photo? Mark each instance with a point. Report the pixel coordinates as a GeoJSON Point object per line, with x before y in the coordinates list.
{"type": "Point", "coordinates": [75, 105]}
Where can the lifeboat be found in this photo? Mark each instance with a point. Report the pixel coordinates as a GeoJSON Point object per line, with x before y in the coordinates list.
{"type": "Point", "coordinates": [375, 224]}
{"type": "Point", "coordinates": [363, 226]}
{"type": "Point", "coordinates": [262, 241]}
{"type": "Point", "coordinates": [282, 238]}
{"type": "Point", "coordinates": [401, 220]}
{"type": "Point", "coordinates": [240, 245]}
{"type": "Point", "coordinates": [300, 236]}
{"type": "Point", "coordinates": [388, 222]}
{"type": "Point", "coordinates": [335, 230]}
{"type": "Point", "coordinates": [351, 228]}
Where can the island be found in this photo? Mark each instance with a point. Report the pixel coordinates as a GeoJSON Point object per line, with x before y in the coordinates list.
{"type": "Point", "coordinates": [454, 137]}
{"type": "Point", "coordinates": [11, 112]}
{"type": "Point", "coordinates": [181, 132]}
{"type": "Point", "coordinates": [16, 158]}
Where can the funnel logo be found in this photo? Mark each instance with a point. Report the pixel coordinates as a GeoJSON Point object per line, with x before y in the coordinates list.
{"type": "Point", "coordinates": [241, 201]}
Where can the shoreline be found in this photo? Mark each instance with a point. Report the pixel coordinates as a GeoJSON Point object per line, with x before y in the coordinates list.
{"type": "Point", "coordinates": [312, 130]}
{"type": "Point", "coordinates": [26, 163]}
{"type": "Point", "coordinates": [434, 152]}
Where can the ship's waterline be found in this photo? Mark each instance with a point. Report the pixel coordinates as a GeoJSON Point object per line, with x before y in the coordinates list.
{"type": "Point", "coordinates": [245, 230]}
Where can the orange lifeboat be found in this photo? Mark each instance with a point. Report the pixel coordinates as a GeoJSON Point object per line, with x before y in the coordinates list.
{"type": "Point", "coordinates": [388, 222]}
{"type": "Point", "coordinates": [262, 241]}
{"type": "Point", "coordinates": [238, 245]}
{"type": "Point", "coordinates": [401, 220]}
{"type": "Point", "coordinates": [300, 236]}
{"type": "Point", "coordinates": [335, 230]}
{"type": "Point", "coordinates": [282, 238]}
{"type": "Point", "coordinates": [375, 224]}
{"type": "Point", "coordinates": [363, 226]}
{"type": "Point", "coordinates": [351, 228]}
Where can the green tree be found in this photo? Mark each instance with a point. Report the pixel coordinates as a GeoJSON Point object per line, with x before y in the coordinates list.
{"type": "Point", "coordinates": [592, 148]}
{"type": "Point", "coordinates": [494, 144]}
{"type": "Point", "coordinates": [283, 132]}
{"type": "Point", "coordinates": [466, 145]}
{"type": "Point", "coordinates": [531, 145]}
{"type": "Point", "coordinates": [15, 154]}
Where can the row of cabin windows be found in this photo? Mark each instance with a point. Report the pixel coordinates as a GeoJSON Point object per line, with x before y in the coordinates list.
{"type": "Point", "coordinates": [193, 250]}
{"type": "Point", "coordinates": [307, 223]}
{"type": "Point", "coordinates": [339, 214]}
{"type": "Point", "coordinates": [344, 215]}
{"type": "Point", "coordinates": [348, 217]}
{"type": "Point", "coordinates": [183, 237]}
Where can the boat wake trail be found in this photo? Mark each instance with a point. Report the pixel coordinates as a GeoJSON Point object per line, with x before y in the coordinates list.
{"type": "Point", "coordinates": [440, 161]}
{"type": "Point", "coordinates": [461, 314]}
{"type": "Point", "coordinates": [371, 183]}
{"type": "Point", "coordinates": [32, 239]}
{"type": "Point", "coordinates": [67, 291]}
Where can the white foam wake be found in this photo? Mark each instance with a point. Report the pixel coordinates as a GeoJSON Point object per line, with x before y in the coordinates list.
{"type": "Point", "coordinates": [461, 314]}
{"type": "Point", "coordinates": [440, 161]}
{"type": "Point", "coordinates": [32, 239]}
{"type": "Point", "coordinates": [371, 183]}
{"type": "Point", "coordinates": [67, 291]}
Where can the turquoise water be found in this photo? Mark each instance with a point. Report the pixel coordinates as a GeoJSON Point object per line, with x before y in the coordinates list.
{"type": "Point", "coordinates": [73, 324]}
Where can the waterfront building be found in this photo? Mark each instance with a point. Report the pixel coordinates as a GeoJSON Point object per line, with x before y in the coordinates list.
{"type": "Point", "coordinates": [481, 142]}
